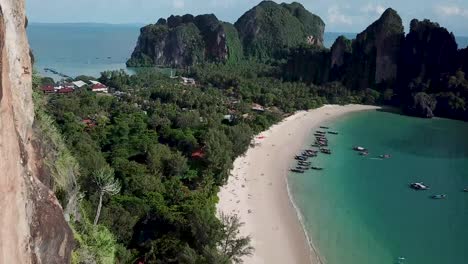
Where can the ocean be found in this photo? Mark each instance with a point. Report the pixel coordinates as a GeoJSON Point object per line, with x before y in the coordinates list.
{"type": "Point", "coordinates": [89, 49]}
{"type": "Point", "coordinates": [81, 49]}
{"type": "Point", "coordinates": [361, 209]}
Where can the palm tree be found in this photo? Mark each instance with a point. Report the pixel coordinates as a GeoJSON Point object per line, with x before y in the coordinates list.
{"type": "Point", "coordinates": [106, 184]}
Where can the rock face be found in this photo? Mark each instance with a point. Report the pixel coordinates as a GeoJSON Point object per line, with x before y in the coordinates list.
{"type": "Point", "coordinates": [269, 26]}
{"type": "Point", "coordinates": [340, 55]}
{"type": "Point", "coordinates": [260, 33]}
{"type": "Point", "coordinates": [463, 59]}
{"type": "Point", "coordinates": [422, 105]}
{"type": "Point", "coordinates": [32, 227]}
{"type": "Point", "coordinates": [428, 51]}
{"type": "Point", "coordinates": [181, 41]}
{"type": "Point", "coordinates": [376, 52]}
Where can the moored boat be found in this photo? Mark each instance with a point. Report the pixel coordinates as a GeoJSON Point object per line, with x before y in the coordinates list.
{"type": "Point", "coordinates": [385, 156]}
{"type": "Point", "coordinates": [439, 196]}
{"type": "Point", "coordinates": [300, 158]}
{"type": "Point", "coordinates": [325, 151]}
{"type": "Point", "coordinates": [324, 127]}
{"type": "Point", "coordinates": [333, 132]}
{"type": "Point", "coordinates": [419, 186]}
{"type": "Point", "coordinates": [465, 190]}
{"type": "Point", "coordinates": [297, 171]}
{"type": "Point", "coordinates": [358, 148]}
{"type": "Point", "coordinates": [316, 168]}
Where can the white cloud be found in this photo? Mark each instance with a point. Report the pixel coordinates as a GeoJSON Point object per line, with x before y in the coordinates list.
{"type": "Point", "coordinates": [336, 16]}
{"type": "Point", "coordinates": [178, 4]}
{"type": "Point", "coordinates": [451, 10]}
{"type": "Point", "coordinates": [373, 9]}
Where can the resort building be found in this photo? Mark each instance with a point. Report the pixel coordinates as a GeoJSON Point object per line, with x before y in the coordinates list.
{"type": "Point", "coordinates": [99, 88]}
{"type": "Point", "coordinates": [79, 84]}
{"type": "Point", "coordinates": [65, 90]}
{"type": "Point", "coordinates": [48, 89]}
{"type": "Point", "coordinates": [188, 81]}
{"type": "Point", "coordinates": [258, 108]}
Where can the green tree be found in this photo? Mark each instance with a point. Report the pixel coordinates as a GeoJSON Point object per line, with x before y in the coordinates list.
{"type": "Point", "coordinates": [231, 245]}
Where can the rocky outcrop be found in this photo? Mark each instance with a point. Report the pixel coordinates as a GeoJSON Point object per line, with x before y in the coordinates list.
{"type": "Point", "coordinates": [181, 41]}
{"type": "Point", "coordinates": [32, 226]}
{"type": "Point", "coordinates": [269, 27]}
{"type": "Point", "coordinates": [463, 59]}
{"type": "Point", "coordinates": [428, 51]}
{"type": "Point", "coordinates": [376, 52]}
{"type": "Point", "coordinates": [260, 33]}
{"type": "Point", "coordinates": [340, 55]}
{"type": "Point", "coordinates": [422, 105]}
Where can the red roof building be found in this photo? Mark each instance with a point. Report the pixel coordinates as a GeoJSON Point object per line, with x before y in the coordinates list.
{"type": "Point", "coordinates": [48, 89]}
{"type": "Point", "coordinates": [66, 91]}
{"type": "Point", "coordinates": [99, 87]}
{"type": "Point", "coordinates": [198, 154]}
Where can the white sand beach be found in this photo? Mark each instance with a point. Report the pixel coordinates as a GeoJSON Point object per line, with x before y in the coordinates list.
{"type": "Point", "coordinates": [257, 189]}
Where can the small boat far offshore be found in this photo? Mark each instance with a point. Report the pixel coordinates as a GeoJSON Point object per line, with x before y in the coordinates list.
{"type": "Point", "coordinates": [439, 196]}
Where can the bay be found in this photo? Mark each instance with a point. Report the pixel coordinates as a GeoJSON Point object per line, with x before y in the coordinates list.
{"type": "Point", "coordinates": [361, 209]}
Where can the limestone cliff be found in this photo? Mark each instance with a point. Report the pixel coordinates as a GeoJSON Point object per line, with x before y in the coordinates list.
{"type": "Point", "coordinates": [341, 52]}
{"type": "Point", "coordinates": [270, 27]}
{"type": "Point", "coordinates": [260, 33]}
{"type": "Point", "coordinates": [428, 51]}
{"type": "Point", "coordinates": [181, 41]}
{"type": "Point", "coordinates": [32, 227]}
{"type": "Point", "coordinates": [376, 52]}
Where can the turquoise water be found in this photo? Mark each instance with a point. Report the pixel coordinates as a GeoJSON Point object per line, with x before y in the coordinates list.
{"type": "Point", "coordinates": [360, 209]}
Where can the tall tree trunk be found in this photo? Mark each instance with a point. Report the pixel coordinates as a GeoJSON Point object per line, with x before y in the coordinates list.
{"type": "Point", "coordinates": [98, 212]}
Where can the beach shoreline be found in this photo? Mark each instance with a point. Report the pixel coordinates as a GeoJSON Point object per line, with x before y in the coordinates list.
{"type": "Point", "coordinates": [258, 192]}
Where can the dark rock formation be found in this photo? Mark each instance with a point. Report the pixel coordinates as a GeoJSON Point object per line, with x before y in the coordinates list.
{"type": "Point", "coordinates": [213, 33]}
{"type": "Point", "coordinates": [341, 52]}
{"type": "Point", "coordinates": [376, 52]}
{"type": "Point", "coordinates": [428, 51]}
{"type": "Point", "coordinates": [269, 27]}
{"type": "Point", "coordinates": [463, 59]}
{"type": "Point", "coordinates": [181, 41]}
{"type": "Point", "coordinates": [422, 105]}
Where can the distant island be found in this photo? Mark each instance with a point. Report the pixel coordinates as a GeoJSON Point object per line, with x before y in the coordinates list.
{"type": "Point", "coordinates": [422, 72]}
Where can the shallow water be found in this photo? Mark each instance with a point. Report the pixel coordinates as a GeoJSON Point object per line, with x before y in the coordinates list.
{"type": "Point", "coordinates": [360, 209]}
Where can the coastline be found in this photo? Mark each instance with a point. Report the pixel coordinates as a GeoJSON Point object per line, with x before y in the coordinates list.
{"type": "Point", "coordinates": [258, 192]}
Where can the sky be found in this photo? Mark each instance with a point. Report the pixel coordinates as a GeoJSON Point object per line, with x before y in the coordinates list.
{"type": "Point", "coordinates": [339, 15]}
